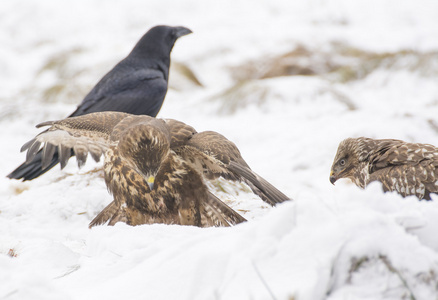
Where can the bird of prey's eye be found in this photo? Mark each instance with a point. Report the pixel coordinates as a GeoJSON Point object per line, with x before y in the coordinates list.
{"type": "Point", "coordinates": [342, 162]}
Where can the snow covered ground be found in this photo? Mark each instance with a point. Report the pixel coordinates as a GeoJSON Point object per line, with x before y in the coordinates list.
{"type": "Point", "coordinates": [360, 68]}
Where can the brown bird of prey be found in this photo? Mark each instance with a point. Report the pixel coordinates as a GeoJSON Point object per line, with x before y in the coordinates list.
{"type": "Point", "coordinates": [407, 168]}
{"type": "Point", "coordinates": [154, 168]}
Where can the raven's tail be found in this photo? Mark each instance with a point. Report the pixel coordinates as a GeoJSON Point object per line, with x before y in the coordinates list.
{"type": "Point", "coordinates": [33, 169]}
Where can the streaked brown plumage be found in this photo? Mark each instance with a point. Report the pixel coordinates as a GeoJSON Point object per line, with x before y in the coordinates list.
{"type": "Point", "coordinates": [407, 168]}
{"type": "Point", "coordinates": [154, 168]}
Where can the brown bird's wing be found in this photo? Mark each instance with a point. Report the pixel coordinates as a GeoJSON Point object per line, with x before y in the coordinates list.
{"type": "Point", "coordinates": [85, 134]}
{"type": "Point", "coordinates": [181, 187]}
{"type": "Point", "coordinates": [265, 190]}
{"type": "Point", "coordinates": [213, 155]}
{"type": "Point", "coordinates": [389, 152]}
{"type": "Point", "coordinates": [419, 180]}
{"type": "Point", "coordinates": [217, 213]}
{"type": "Point", "coordinates": [112, 213]}
{"type": "Point", "coordinates": [180, 132]}
{"type": "Point", "coordinates": [129, 122]}
{"type": "Point", "coordinates": [401, 153]}
{"type": "Point", "coordinates": [408, 168]}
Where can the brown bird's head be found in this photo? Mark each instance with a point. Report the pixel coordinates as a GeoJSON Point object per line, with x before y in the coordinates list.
{"type": "Point", "coordinates": [350, 153]}
{"type": "Point", "coordinates": [146, 146]}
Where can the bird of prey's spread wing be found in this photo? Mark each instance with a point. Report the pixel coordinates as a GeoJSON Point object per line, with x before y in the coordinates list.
{"type": "Point", "coordinates": [136, 85]}
{"type": "Point", "coordinates": [407, 168]}
{"type": "Point", "coordinates": [214, 156]}
{"type": "Point", "coordinates": [155, 168]}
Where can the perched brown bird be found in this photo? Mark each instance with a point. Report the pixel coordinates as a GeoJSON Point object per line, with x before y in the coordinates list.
{"type": "Point", "coordinates": [155, 168]}
{"type": "Point", "coordinates": [407, 168]}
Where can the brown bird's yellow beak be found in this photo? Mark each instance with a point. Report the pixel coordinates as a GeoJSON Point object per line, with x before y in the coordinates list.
{"type": "Point", "coordinates": [151, 180]}
{"type": "Point", "coordinates": [332, 177]}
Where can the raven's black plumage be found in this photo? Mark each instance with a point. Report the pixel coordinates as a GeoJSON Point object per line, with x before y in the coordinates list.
{"type": "Point", "coordinates": [136, 85]}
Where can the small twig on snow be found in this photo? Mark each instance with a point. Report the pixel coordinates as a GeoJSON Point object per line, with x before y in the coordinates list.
{"type": "Point", "coordinates": [392, 269]}
{"type": "Point", "coordinates": [263, 280]}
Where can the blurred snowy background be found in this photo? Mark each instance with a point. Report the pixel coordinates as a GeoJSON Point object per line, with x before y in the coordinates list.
{"type": "Point", "coordinates": [286, 81]}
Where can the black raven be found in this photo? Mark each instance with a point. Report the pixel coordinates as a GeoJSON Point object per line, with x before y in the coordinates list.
{"type": "Point", "coordinates": [136, 85]}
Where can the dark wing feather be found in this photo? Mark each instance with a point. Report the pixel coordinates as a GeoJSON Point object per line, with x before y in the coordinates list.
{"type": "Point", "coordinates": [266, 191]}
{"type": "Point", "coordinates": [64, 154]}
{"type": "Point", "coordinates": [210, 153]}
{"type": "Point", "coordinates": [32, 150]}
{"type": "Point", "coordinates": [109, 213]}
{"type": "Point", "coordinates": [213, 155]}
{"type": "Point", "coordinates": [216, 145]}
{"type": "Point", "coordinates": [48, 152]}
{"type": "Point", "coordinates": [219, 214]}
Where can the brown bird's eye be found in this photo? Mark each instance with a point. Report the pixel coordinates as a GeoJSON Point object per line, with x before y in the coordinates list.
{"type": "Point", "coordinates": [342, 162]}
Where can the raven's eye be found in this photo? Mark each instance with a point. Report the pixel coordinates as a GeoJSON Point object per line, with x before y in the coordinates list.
{"type": "Point", "coordinates": [342, 162]}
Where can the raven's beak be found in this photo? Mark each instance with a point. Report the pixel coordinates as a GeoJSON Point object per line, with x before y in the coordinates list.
{"type": "Point", "coordinates": [151, 180]}
{"type": "Point", "coordinates": [181, 31]}
{"type": "Point", "coordinates": [332, 177]}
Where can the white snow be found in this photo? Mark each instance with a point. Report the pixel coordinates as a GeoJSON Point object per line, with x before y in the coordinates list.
{"type": "Point", "coordinates": [330, 242]}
